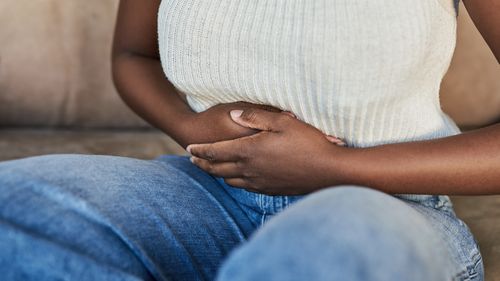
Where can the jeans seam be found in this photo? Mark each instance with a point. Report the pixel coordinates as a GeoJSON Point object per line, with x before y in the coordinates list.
{"type": "Point", "coordinates": [263, 219]}
{"type": "Point", "coordinates": [476, 261]}
{"type": "Point", "coordinates": [260, 202]}
{"type": "Point", "coordinates": [278, 206]}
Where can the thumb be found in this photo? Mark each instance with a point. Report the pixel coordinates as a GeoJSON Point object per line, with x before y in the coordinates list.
{"type": "Point", "coordinates": [257, 118]}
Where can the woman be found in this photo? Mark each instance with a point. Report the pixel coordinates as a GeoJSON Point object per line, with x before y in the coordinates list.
{"type": "Point", "coordinates": [322, 108]}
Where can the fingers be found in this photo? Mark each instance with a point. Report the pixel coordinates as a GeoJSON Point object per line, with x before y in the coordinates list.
{"type": "Point", "coordinates": [231, 172]}
{"type": "Point", "coordinates": [236, 182]}
{"type": "Point", "coordinates": [265, 107]}
{"type": "Point", "coordinates": [335, 140]}
{"type": "Point", "coordinates": [224, 151]}
{"type": "Point", "coordinates": [259, 119]}
{"type": "Point", "coordinates": [240, 183]}
{"type": "Point", "coordinates": [224, 169]}
{"type": "Point", "coordinates": [291, 114]}
{"type": "Point", "coordinates": [268, 108]}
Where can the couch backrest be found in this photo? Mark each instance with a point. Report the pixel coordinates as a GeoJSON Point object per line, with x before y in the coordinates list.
{"type": "Point", "coordinates": [55, 65]}
{"type": "Point", "coordinates": [55, 68]}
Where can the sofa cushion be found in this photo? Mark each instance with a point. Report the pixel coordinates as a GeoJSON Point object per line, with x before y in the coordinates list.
{"type": "Point", "coordinates": [55, 65]}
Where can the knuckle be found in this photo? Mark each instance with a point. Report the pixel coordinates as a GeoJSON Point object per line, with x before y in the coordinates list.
{"type": "Point", "coordinates": [240, 165]}
{"type": "Point", "coordinates": [209, 168]}
{"type": "Point", "coordinates": [282, 119]}
{"type": "Point", "coordinates": [210, 155]}
{"type": "Point", "coordinates": [252, 185]}
{"type": "Point", "coordinates": [247, 174]}
{"type": "Point", "coordinates": [249, 115]}
{"type": "Point", "coordinates": [243, 152]}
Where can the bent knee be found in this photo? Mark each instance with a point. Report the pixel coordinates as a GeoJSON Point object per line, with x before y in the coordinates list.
{"type": "Point", "coordinates": [344, 231]}
{"type": "Point", "coordinates": [351, 200]}
{"type": "Point", "coordinates": [355, 214]}
{"type": "Point", "coordinates": [351, 192]}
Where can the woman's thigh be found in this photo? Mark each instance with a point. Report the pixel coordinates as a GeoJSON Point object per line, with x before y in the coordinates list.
{"type": "Point", "coordinates": [102, 217]}
{"type": "Point", "coordinates": [347, 233]}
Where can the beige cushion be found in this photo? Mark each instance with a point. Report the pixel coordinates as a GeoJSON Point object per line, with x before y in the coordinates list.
{"type": "Point", "coordinates": [55, 68]}
{"type": "Point", "coordinates": [55, 64]}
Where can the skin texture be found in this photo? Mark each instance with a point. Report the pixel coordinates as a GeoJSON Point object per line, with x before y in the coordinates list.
{"type": "Point", "coordinates": [262, 149]}
{"type": "Point", "coordinates": [463, 164]}
{"type": "Point", "coordinates": [287, 156]}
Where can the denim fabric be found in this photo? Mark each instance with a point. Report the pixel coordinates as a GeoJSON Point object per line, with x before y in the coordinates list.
{"type": "Point", "coordinates": [76, 217]}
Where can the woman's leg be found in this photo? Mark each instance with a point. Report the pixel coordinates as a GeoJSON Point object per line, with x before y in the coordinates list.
{"type": "Point", "coordinates": [76, 217]}
{"type": "Point", "coordinates": [346, 233]}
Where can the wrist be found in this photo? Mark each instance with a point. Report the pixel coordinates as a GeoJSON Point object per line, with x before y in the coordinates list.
{"type": "Point", "coordinates": [348, 166]}
{"type": "Point", "coordinates": [184, 129]}
{"type": "Point", "coordinates": [371, 167]}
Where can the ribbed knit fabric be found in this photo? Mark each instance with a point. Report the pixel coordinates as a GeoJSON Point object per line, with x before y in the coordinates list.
{"type": "Point", "coordinates": [366, 71]}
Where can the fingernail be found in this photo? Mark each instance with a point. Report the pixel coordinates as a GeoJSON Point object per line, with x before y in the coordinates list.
{"type": "Point", "coordinates": [332, 139]}
{"type": "Point", "coordinates": [191, 159]}
{"type": "Point", "coordinates": [290, 113]}
{"type": "Point", "coordinates": [188, 149]}
{"type": "Point", "coordinates": [336, 140]}
{"type": "Point", "coordinates": [236, 113]}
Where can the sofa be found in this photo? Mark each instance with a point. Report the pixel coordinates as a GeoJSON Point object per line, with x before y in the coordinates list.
{"type": "Point", "coordinates": [57, 96]}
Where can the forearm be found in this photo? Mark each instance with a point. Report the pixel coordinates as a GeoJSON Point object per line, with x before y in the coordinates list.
{"type": "Point", "coordinates": [137, 71]}
{"type": "Point", "coordinates": [143, 86]}
{"type": "Point", "coordinates": [464, 164]}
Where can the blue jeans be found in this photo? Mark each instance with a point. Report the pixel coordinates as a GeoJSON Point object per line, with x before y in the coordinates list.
{"type": "Point", "coordinates": [76, 217]}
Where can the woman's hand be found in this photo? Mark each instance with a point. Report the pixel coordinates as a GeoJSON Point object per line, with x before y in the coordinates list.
{"type": "Point", "coordinates": [287, 156]}
{"type": "Point", "coordinates": [215, 124]}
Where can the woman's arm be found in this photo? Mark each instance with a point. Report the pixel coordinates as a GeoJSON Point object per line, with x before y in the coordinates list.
{"type": "Point", "coordinates": [137, 70]}
{"type": "Point", "coordinates": [468, 163]}
{"type": "Point", "coordinates": [486, 17]}
{"type": "Point", "coordinates": [290, 157]}
{"type": "Point", "coordinates": [141, 82]}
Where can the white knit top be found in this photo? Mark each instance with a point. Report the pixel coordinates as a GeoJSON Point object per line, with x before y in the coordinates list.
{"type": "Point", "coordinates": [366, 71]}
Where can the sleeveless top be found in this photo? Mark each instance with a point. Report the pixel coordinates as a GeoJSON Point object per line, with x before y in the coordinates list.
{"type": "Point", "coordinates": [368, 72]}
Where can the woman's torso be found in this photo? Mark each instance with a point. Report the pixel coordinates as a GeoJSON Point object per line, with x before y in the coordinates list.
{"type": "Point", "coordinates": [365, 71]}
